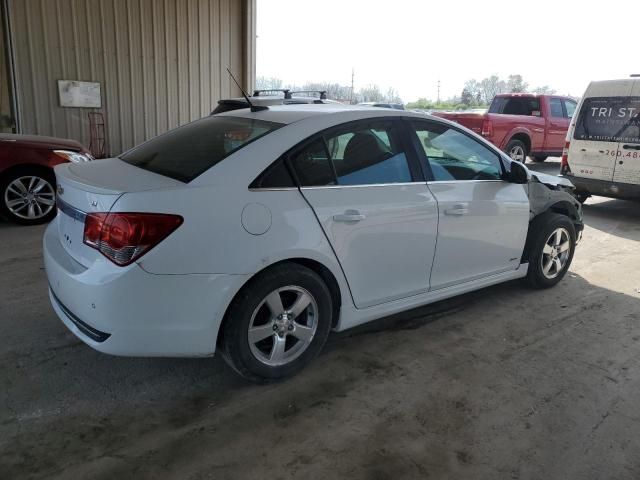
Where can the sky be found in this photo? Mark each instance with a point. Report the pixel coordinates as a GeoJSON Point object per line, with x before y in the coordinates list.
{"type": "Point", "coordinates": [410, 45]}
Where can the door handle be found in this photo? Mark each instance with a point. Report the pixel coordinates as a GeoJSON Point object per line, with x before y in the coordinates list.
{"type": "Point", "coordinates": [631, 147]}
{"type": "Point", "coordinates": [349, 216]}
{"type": "Point", "coordinates": [458, 209]}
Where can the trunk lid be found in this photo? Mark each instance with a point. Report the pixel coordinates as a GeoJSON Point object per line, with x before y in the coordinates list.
{"type": "Point", "coordinates": [95, 187]}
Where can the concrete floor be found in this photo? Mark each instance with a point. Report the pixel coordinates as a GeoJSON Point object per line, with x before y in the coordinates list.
{"type": "Point", "coordinates": [503, 383]}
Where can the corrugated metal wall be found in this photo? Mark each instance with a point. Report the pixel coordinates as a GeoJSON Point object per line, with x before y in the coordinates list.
{"type": "Point", "coordinates": [160, 63]}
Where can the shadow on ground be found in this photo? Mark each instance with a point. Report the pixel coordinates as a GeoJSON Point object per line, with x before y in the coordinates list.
{"type": "Point", "coordinates": [504, 382]}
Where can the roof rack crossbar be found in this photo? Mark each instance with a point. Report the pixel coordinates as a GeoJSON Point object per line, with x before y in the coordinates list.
{"type": "Point", "coordinates": [322, 93]}
{"type": "Point", "coordinates": [286, 91]}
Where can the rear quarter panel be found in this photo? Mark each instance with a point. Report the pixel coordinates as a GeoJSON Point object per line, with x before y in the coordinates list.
{"type": "Point", "coordinates": [214, 237]}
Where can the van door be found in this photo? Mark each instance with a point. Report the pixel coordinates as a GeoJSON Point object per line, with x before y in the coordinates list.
{"type": "Point", "coordinates": [594, 147]}
{"type": "Point", "coordinates": [627, 169]}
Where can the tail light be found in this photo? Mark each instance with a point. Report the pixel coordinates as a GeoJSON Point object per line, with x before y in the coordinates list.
{"type": "Point", "coordinates": [487, 128]}
{"type": "Point", "coordinates": [125, 237]}
{"type": "Point", "coordinates": [564, 163]}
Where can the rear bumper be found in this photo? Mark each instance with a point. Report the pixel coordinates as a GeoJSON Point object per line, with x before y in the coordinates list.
{"type": "Point", "coordinates": [604, 188]}
{"type": "Point", "coordinates": [130, 312]}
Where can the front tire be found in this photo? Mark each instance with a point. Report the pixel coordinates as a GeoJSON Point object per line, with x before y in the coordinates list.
{"type": "Point", "coordinates": [517, 150]}
{"type": "Point", "coordinates": [550, 249]}
{"type": "Point", "coordinates": [27, 196]}
{"type": "Point", "coordinates": [277, 324]}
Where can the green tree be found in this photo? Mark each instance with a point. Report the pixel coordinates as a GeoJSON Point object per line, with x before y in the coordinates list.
{"type": "Point", "coordinates": [515, 84]}
{"type": "Point", "coordinates": [466, 98]}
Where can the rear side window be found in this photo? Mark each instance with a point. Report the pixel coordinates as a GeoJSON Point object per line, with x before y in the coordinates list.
{"type": "Point", "coordinates": [188, 151]}
{"type": "Point", "coordinates": [609, 119]}
{"type": "Point", "coordinates": [358, 155]}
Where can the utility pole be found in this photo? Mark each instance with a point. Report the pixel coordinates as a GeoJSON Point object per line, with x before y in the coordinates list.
{"type": "Point", "coordinates": [438, 92]}
{"type": "Point", "coordinates": [352, 75]}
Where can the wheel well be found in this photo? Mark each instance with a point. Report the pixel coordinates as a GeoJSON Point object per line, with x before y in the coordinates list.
{"type": "Point", "coordinates": [23, 167]}
{"type": "Point", "coordinates": [524, 138]}
{"type": "Point", "coordinates": [318, 268]}
{"type": "Point", "coordinates": [563, 208]}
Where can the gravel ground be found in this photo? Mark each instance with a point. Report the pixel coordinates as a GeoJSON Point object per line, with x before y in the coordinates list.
{"type": "Point", "coordinates": [506, 382]}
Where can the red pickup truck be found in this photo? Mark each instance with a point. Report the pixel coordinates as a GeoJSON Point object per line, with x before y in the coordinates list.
{"type": "Point", "coordinates": [522, 124]}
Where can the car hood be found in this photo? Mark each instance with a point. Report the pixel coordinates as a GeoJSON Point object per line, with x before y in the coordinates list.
{"type": "Point", "coordinates": [39, 141]}
{"type": "Point", "coordinates": [552, 180]}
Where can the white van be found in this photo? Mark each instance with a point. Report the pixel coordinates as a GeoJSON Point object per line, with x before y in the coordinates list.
{"type": "Point", "coordinates": [602, 150]}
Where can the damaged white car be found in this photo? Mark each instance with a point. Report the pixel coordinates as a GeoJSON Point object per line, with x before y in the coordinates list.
{"type": "Point", "coordinates": [258, 231]}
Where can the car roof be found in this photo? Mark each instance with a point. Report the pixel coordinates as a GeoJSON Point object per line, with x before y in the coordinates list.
{"type": "Point", "coordinates": [287, 114]}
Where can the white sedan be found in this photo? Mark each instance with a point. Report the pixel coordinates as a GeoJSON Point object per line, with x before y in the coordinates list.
{"type": "Point", "coordinates": [258, 232]}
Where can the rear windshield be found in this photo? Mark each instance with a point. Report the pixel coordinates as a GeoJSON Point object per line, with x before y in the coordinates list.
{"type": "Point", "coordinates": [188, 151]}
{"type": "Point", "coordinates": [515, 105]}
{"type": "Point", "coordinates": [609, 119]}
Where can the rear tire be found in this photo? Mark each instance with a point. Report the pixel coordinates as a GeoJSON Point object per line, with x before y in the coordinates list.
{"type": "Point", "coordinates": [539, 158]}
{"type": "Point", "coordinates": [517, 150]}
{"type": "Point", "coordinates": [277, 324]}
{"type": "Point", "coordinates": [27, 196]}
{"type": "Point", "coordinates": [550, 248]}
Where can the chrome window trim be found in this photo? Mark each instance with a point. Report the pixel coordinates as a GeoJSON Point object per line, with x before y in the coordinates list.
{"type": "Point", "coordinates": [464, 181]}
{"type": "Point", "coordinates": [398, 184]}
{"type": "Point", "coordinates": [272, 189]}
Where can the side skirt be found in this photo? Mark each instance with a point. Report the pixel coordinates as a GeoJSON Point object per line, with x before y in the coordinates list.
{"type": "Point", "coordinates": [352, 317]}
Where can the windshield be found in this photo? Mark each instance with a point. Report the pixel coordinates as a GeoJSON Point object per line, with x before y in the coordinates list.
{"type": "Point", "coordinates": [609, 119]}
{"type": "Point", "coordinates": [188, 151]}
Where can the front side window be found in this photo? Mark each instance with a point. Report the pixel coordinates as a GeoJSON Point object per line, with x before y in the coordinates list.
{"type": "Point", "coordinates": [453, 155]}
{"type": "Point", "coordinates": [190, 150]}
{"type": "Point", "coordinates": [570, 107]}
{"type": "Point", "coordinates": [609, 119]}
{"type": "Point", "coordinates": [363, 154]}
{"type": "Point", "coordinates": [556, 108]}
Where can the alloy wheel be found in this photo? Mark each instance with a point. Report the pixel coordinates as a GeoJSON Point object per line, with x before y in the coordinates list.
{"type": "Point", "coordinates": [555, 253]}
{"type": "Point", "coordinates": [283, 325]}
{"type": "Point", "coordinates": [517, 153]}
{"type": "Point", "coordinates": [30, 197]}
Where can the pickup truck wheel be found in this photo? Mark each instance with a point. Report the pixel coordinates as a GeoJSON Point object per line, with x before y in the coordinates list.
{"type": "Point", "coordinates": [517, 150]}
{"type": "Point", "coordinates": [550, 249]}
{"type": "Point", "coordinates": [539, 158]}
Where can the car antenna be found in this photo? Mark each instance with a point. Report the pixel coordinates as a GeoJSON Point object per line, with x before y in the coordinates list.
{"type": "Point", "coordinates": [254, 108]}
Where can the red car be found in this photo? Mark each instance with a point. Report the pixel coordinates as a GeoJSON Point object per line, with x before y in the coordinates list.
{"type": "Point", "coordinates": [522, 124]}
{"type": "Point", "coordinates": [27, 182]}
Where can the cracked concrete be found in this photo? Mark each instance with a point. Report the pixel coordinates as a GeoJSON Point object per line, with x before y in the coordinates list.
{"type": "Point", "coordinates": [503, 383]}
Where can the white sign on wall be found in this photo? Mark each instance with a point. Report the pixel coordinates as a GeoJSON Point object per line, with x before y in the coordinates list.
{"type": "Point", "coordinates": [79, 94]}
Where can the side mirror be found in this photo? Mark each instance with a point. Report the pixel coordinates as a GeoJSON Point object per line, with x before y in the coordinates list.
{"type": "Point", "coordinates": [518, 173]}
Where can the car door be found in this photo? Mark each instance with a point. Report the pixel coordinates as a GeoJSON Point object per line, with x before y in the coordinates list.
{"type": "Point", "coordinates": [377, 212]}
{"type": "Point", "coordinates": [558, 123]}
{"type": "Point", "coordinates": [595, 146]}
{"type": "Point", "coordinates": [483, 220]}
{"type": "Point", "coordinates": [627, 168]}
